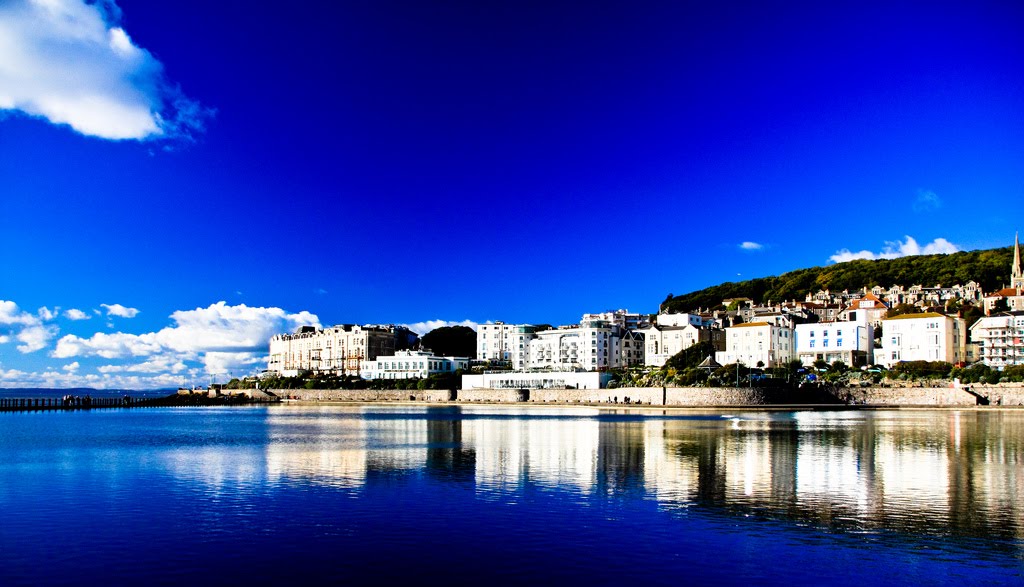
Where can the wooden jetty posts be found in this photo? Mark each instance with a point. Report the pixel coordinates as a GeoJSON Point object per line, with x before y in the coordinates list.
{"type": "Point", "coordinates": [68, 403]}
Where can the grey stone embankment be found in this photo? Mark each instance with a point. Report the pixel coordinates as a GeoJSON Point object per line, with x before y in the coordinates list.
{"type": "Point", "coordinates": [683, 396]}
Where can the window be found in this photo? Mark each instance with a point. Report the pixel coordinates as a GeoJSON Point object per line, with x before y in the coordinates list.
{"type": "Point", "coordinates": [812, 344]}
{"type": "Point", "coordinates": [824, 343]}
{"type": "Point", "coordinates": [839, 342]}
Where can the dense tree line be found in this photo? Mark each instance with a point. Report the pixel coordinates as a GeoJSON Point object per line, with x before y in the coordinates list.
{"type": "Point", "coordinates": [989, 268]}
{"type": "Point", "coordinates": [450, 341]}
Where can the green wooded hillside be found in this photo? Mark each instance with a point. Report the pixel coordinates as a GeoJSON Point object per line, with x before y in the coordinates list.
{"type": "Point", "coordinates": [989, 268]}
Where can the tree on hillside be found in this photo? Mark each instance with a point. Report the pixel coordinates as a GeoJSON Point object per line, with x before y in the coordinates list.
{"type": "Point", "coordinates": [988, 268]}
{"type": "Point", "coordinates": [451, 341]}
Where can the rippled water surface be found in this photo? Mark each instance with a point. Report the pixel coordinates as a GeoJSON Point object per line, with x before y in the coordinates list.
{"type": "Point", "coordinates": [291, 495]}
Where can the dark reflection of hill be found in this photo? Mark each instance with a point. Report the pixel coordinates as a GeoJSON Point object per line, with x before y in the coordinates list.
{"type": "Point", "coordinates": [926, 473]}
{"type": "Point", "coordinates": [447, 459]}
{"type": "Point", "coordinates": [620, 459]}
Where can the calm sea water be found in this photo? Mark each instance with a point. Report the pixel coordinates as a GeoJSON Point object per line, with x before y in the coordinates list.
{"type": "Point", "coordinates": [492, 495]}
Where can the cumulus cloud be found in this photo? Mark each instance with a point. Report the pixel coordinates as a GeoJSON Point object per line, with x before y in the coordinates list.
{"type": "Point", "coordinates": [75, 314]}
{"type": "Point", "coordinates": [238, 335]}
{"type": "Point", "coordinates": [217, 362]}
{"type": "Point", "coordinates": [117, 345]}
{"type": "Point", "coordinates": [34, 338]}
{"type": "Point", "coordinates": [69, 378]}
{"type": "Point", "coordinates": [120, 311]}
{"type": "Point", "coordinates": [45, 313]}
{"type": "Point", "coordinates": [422, 328]}
{"type": "Point", "coordinates": [26, 328]}
{"type": "Point", "coordinates": [70, 62]}
{"type": "Point", "coordinates": [894, 249]}
{"type": "Point", "coordinates": [71, 367]}
{"type": "Point", "coordinates": [11, 315]}
{"type": "Point", "coordinates": [751, 246]}
{"type": "Point", "coordinates": [927, 201]}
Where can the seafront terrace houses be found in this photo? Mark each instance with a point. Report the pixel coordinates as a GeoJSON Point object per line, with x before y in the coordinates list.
{"type": "Point", "coordinates": [926, 336]}
{"type": "Point", "coordinates": [338, 349]}
{"type": "Point", "coordinates": [757, 342]}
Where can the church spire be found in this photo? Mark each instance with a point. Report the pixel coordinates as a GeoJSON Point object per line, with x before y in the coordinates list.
{"type": "Point", "coordinates": [1016, 277]}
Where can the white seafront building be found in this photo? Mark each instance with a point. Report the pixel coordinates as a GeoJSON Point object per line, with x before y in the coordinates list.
{"type": "Point", "coordinates": [757, 342]}
{"type": "Point", "coordinates": [505, 342]}
{"type": "Point", "coordinates": [850, 341]}
{"type": "Point", "coordinates": [926, 336]}
{"type": "Point", "coordinates": [594, 345]}
{"type": "Point", "coordinates": [411, 365]}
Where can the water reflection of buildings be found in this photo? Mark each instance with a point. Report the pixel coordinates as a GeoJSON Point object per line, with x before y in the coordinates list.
{"type": "Point", "coordinates": [926, 471]}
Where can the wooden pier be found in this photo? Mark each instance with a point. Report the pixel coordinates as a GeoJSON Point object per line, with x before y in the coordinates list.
{"type": "Point", "coordinates": [92, 403]}
{"type": "Point", "coordinates": [69, 403]}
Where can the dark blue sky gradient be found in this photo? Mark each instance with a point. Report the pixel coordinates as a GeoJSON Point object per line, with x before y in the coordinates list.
{"type": "Point", "coordinates": [520, 161]}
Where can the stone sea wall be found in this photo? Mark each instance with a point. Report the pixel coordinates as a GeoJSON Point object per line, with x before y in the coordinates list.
{"type": "Point", "coordinates": [1001, 395]}
{"type": "Point", "coordinates": [364, 395]}
{"type": "Point", "coordinates": [682, 396]}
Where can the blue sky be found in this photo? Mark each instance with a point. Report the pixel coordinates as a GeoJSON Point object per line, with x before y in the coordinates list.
{"type": "Point", "coordinates": [215, 172]}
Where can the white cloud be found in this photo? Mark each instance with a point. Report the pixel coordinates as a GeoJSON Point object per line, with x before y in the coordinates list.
{"type": "Point", "coordinates": [11, 315]}
{"type": "Point", "coordinates": [751, 246]}
{"type": "Point", "coordinates": [231, 363]}
{"type": "Point", "coordinates": [117, 345]}
{"type": "Point", "coordinates": [894, 249]}
{"type": "Point", "coordinates": [927, 201]}
{"type": "Point", "coordinates": [57, 379]}
{"type": "Point", "coordinates": [71, 367]}
{"type": "Point", "coordinates": [120, 311]}
{"type": "Point", "coordinates": [422, 328]}
{"type": "Point", "coordinates": [45, 313]}
{"type": "Point", "coordinates": [69, 62]}
{"type": "Point", "coordinates": [26, 328]}
{"type": "Point", "coordinates": [75, 314]}
{"type": "Point", "coordinates": [235, 334]}
{"type": "Point", "coordinates": [34, 338]}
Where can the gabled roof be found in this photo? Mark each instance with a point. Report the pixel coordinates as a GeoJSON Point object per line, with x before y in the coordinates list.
{"type": "Point", "coordinates": [746, 324]}
{"type": "Point", "coordinates": [868, 297]}
{"type": "Point", "coordinates": [1006, 292]}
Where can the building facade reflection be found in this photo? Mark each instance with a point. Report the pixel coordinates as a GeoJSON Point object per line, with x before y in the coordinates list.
{"type": "Point", "coordinates": [927, 471]}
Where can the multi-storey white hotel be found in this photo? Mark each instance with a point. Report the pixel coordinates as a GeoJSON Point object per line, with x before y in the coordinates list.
{"type": "Point", "coordinates": [339, 349]}
{"type": "Point", "coordinates": [593, 345]}
{"type": "Point", "coordinates": [504, 342]}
